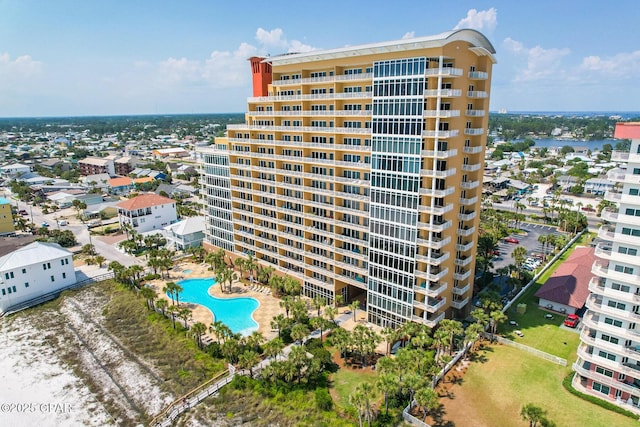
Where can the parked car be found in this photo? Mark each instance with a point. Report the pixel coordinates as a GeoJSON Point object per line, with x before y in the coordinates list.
{"type": "Point", "coordinates": [23, 212]}
{"type": "Point", "coordinates": [571, 321]}
{"type": "Point", "coordinates": [511, 240]}
{"type": "Point", "coordinates": [62, 222]}
{"type": "Point", "coordinates": [44, 224]}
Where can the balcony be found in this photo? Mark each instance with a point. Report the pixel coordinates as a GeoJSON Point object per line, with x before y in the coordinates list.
{"type": "Point", "coordinates": [325, 79]}
{"type": "Point", "coordinates": [471, 168]}
{"type": "Point", "coordinates": [443, 71]}
{"type": "Point", "coordinates": [474, 113]}
{"type": "Point", "coordinates": [609, 215]}
{"type": "Point", "coordinates": [431, 290]}
{"type": "Point", "coordinates": [462, 276]}
{"type": "Point", "coordinates": [601, 269]}
{"type": "Point", "coordinates": [435, 210]}
{"type": "Point", "coordinates": [463, 262]}
{"type": "Point", "coordinates": [458, 304]}
{"type": "Point", "coordinates": [433, 276]}
{"type": "Point", "coordinates": [434, 304]}
{"type": "Point", "coordinates": [595, 304]}
{"type": "Point", "coordinates": [619, 156]}
{"type": "Point", "coordinates": [428, 321]}
{"type": "Point", "coordinates": [466, 232]}
{"type": "Point", "coordinates": [469, 185]}
{"type": "Point", "coordinates": [474, 131]}
{"type": "Point", "coordinates": [613, 196]}
{"type": "Point", "coordinates": [477, 94]}
{"type": "Point", "coordinates": [435, 243]}
{"type": "Point", "coordinates": [432, 114]}
{"type": "Point", "coordinates": [439, 154]}
{"type": "Point", "coordinates": [603, 250]}
{"type": "Point", "coordinates": [464, 247]}
{"type": "Point", "coordinates": [469, 201]}
{"type": "Point", "coordinates": [467, 216]}
{"type": "Point", "coordinates": [436, 193]}
{"type": "Point", "coordinates": [434, 259]}
{"type": "Point", "coordinates": [437, 174]}
{"type": "Point", "coordinates": [439, 133]}
{"type": "Point", "coordinates": [472, 150]}
{"type": "Point", "coordinates": [478, 75]}
{"type": "Point", "coordinates": [461, 290]}
{"type": "Point", "coordinates": [602, 379]}
{"type": "Point", "coordinates": [442, 93]}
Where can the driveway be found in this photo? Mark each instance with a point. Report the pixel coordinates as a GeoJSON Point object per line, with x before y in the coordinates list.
{"type": "Point", "coordinates": [528, 239]}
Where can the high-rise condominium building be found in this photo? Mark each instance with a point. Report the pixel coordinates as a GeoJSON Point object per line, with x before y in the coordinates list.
{"type": "Point", "coordinates": [608, 363]}
{"type": "Point", "coordinates": [358, 172]}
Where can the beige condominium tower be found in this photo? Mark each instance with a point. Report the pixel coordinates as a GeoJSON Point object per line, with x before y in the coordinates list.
{"type": "Point", "coordinates": [358, 172]}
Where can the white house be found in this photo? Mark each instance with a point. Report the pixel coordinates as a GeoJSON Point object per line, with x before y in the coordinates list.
{"type": "Point", "coordinates": [598, 186]}
{"type": "Point", "coordinates": [32, 271]}
{"type": "Point", "coordinates": [14, 169]}
{"type": "Point", "coordinates": [186, 234]}
{"type": "Point", "coordinates": [147, 212]}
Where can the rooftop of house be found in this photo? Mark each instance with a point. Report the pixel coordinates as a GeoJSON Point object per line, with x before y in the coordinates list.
{"type": "Point", "coordinates": [33, 253]}
{"type": "Point", "coordinates": [144, 201]}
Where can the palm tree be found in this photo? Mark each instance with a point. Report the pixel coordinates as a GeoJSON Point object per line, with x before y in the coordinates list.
{"type": "Point", "coordinates": [185, 314]}
{"type": "Point", "coordinates": [197, 330]}
{"type": "Point", "coordinates": [279, 322]}
{"type": "Point", "coordinates": [390, 335]}
{"type": "Point", "coordinates": [240, 265]}
{"type": "Point", "coordinates": [427, 399]}
{"type": "Point", "coordinates": [161, 304]}
{"type": "Point", "coordinates": [220, 330]}
{"type": "Point", "coordinates": [519, 254]}
{"type": "Point", "coordinates": [149, 295]}
{"type": "Point", "coordinates": [319, 323]}
{"type": "Point", "coordinates": [99, 260]}
{"type": "Point", "coordinates": [255, 340]}
{"type": "Point", "coordinates": [273, 348]}
{"type": "Point", "coordinates": [354, 306]}
{"type": "Point", "coordinates": [361, 400]}
{"type": "Point", "coordinates": [388, 384]}
{"type": "Point", "coordinates": [299, 331]}
{"type": "Point", "coordinates": [532, 413]}
{"type": "Point", "coordinates": [330, 312]}
{"type": "Point", "coordinates": [495, 318]}
{"type": "Point", "coordinates": [169, 289]}
{"type": "Point", "coordinates": [247, 360]}
{"type": "Point", "coordinates": [286, 303]}
{"type": "Point", "coordinates": [318, 303]}
{"type": "Point", "coordinates": [473, 333]}
{"type": "Point", "coordinates": [452, 328]}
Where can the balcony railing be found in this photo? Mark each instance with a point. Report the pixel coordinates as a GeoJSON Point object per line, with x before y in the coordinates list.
{"type": "Point", "coordinates": [478, 75]}
{"type": "Point", "coordinates": [440, 133]}
{"type": "Point", "coordinates": [461, 290]}
{"type": "Point", "coordinates": [462, 276]}
{"type": "Point", "coordinates": [474, 131]}
{"type": "Point", "coordinates": [464, 247]}
{"type": "Point", "coordinates": [475, 113]}
{"type": "Point", "coordinates": [430, 322]}
{"type": "Point", "coordinates": [467, 216]}
{"type": "Point", "coordinates": [471, 168]}
{"type": "Point", "coordinates": [458, 304]}
{"type": "Point", "coordinates": [463, 262]}
{"type": "Point", "coordinates": [444, 71]}
{"type": "Point", "coordinates": [469, 201]}
{"type": "Point", "coordinates": [440, 113]}
{"type": "Point", "coordinates": [466, 232]}
{"type": "Point", "coordinates": [472, 150]}
{"type": "Point", "coordinates": [609, 215]}
{"type": "Point", "coordinates": [619, 156]}
{"type": "Point", "coordinates": [477, 94]}
{"type": "Point", "coordinates": [443, 93]}
{"type": "Point", "coordinates": [430, 290]}
{"type": "Point", "coordinates": [439, 154]}
{"type": "Point", "coordinates": [468, 185]}
{"type": "Point", "coordinates": [437, 174]}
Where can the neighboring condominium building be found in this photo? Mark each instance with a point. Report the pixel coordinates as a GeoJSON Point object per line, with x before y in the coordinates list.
{"type": "Point", "coordinates": [359, 171]}
{"type": "Point", "coordinates": [608, 363]}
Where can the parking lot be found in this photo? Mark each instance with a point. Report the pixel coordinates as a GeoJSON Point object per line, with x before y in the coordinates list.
{"type": "Point", "coordinates": [528, 239]}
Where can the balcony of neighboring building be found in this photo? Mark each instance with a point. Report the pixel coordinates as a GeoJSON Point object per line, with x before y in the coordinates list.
{"type": "Point", "coordinates": [434, 243]}
{"type": "Point", "coordinates": [442, 93]}
{"type": "Point", "coordinates": [460, 303]}
{"type": "Point", "coordinates": [464, 247]}
{"type": "Point", "coordinates": [461, 290]}
{"type": "Point", "coordinates": [443, 72]}
{"type": "Point", "coordinates": [463, 261]}
{"type": "Point", "coordinates": [435, 259]}
{"type": "Point", "coordinates": [608, 381]}
{"type": "Point", "coordinates": [462, 275]}
{"type": "Point", "coordinates": [437, 173]}
{"type": "Point", "coordinates": [469, 185]}
{"type": "Point", "coordinates": [595, 303]}
{"type": "Point", "coordinates": [428, 319]}
{"type": "Point", "coordinates": [439, 154]}
{"type": "Point", "coordinates": [478, 75]}
{"type": "Point", "coordinates": [472, 167]}
{"type": "Point", "coordinates": [440, 133]}
{"type": "Point", "coordinates": [474, 131]}
{"type": "Point", "coordinates": [623, 176]}
{"type": "Point", "coordinates": [466, 232]}
{"type": "Point", "coordinates": [436, 193]}
{"type": "Point", "coordinates": [597, 286]}
{"type": "Point", "coordinates": [310, 97]}
{"type": "Point", "coordinates": [613, 196]}
{"type": "Point", "coordinates": [469, 149]}
{"type": "Point", "coordinates": [434, 274]}
{"type": "Point", "coordinates": [477, 94]}
{"type": "Point", "coordinates": [601, 269]}
{"type": "Point", "coordinates": [607, 232]}
{"type": "Point", "coordinates": [625, 156]}
{"type": "Point", "coordinates": [469, 201]}
{"type": "Point", "coordinates": [604, 250]}
{"type": "Point", "coordinates": [474, 113]}
{"type": "Point", "coordinates": [442, 114]}
{"type": "Point", "coordinates": [435, 210]}
{"type": "Point", "coordinates": [435, 226]}
{"type": "Point", "coordinates": [467, 215]}
{"type": "Point", "coordinates": [433, 289]}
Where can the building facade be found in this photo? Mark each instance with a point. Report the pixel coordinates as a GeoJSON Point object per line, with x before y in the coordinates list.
{"type": "Point", "coordinates": [608, 364]}
{"type": "Point", "coordinates": [6, 217]}
{"type": "Point", "coordinates": [96, 165]}
{"type": "Point", "coordinates": [358, 172]}
{"type": "Point", "coordinates": [147, 212]}
{"type": "Point", "coordinates": [32, 271]}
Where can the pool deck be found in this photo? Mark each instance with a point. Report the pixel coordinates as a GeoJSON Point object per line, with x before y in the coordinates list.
{"type": "Point", "coordinates": [269, 306]}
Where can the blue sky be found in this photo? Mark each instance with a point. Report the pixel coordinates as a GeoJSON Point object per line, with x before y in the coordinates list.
{"type": "Point", "coordinates": [66, 57]}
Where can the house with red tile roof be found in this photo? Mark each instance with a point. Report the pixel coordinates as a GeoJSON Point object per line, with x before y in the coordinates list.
{"type": "Point", "coordinates": [120, 185]}
{"type": "Point", "coordinates": [147, 212]}
{"type": "Point", "coordinates": [567, 289]}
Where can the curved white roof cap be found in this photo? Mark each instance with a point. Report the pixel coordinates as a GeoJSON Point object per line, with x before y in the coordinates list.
{"type": "Point", "coordinates": [481, 45]}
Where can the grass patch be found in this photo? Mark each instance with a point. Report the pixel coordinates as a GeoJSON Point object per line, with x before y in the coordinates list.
{"type": "Point", "coordinates": [345, 381]}
{"type": "Point", "coordinates": [153, 337]}
{"type": "Point", "coordinates": [493, 392]}
{"type": "Point", "coordinates": [540, 332]}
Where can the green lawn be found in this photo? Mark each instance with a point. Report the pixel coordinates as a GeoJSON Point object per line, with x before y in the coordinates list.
{"type": "Point", "coordinates": [495, 388]}
{"type": "Point", "coordinates": [540, 332]}
{"type": "Point", "coordinates": [344, 382]}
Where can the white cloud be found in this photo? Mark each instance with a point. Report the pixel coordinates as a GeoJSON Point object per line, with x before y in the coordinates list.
{"type": "Point", "coordinates": [622, 65]}
{"type": "Point", "coordinates": [484, 20]}
{"type": "Point", "coordinates": [21, 68]}
{"type": "Point", "coordinates": [409, 35]}
{"type": "Point", "coordinates": [540, 62]}
{"type": "Point", "coordinates": [275, 39]}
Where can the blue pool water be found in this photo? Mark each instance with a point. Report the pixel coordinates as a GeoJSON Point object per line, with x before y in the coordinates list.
{"type": "Point", "coordinates": [187, 271]}
{"type": "Point", "coordinates": [236, 313]}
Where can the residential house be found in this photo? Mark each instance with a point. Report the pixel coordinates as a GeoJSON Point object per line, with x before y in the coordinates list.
{"type": "Point", "coordinates": [598, 186]}
{"type": "Point", "coordinates": [123, 165]}
{"type": "Point", "coordinates": [147, 212]}
{"type": "Point", "coordinates": [185, 234]}
{"type": "Point", "coordinates": [568, 287]}
{"type": "Point", "coordinates": [565, 182]}
{"type": "Point", "coordinates": [120, 185]}
{"type": "Point", "coordinates": [171, 152]}
{"type": "Point", "coordinates": [15, 169]}
{"type": "Point", "coordinates": [100, 180]}
{"type": "Point", "coordinates": [6, 217]}
{"type": "Point", "coordinates": [32, 271]}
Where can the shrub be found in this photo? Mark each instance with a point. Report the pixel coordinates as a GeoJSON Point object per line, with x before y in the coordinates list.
{"type": "Point", "coordinates": [323, 399]}
{"type": "Point", "coordinates": [602, 403]}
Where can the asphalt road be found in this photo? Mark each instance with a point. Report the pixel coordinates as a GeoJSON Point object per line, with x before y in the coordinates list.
{"type": "Point", "coordinates": [528, 239]}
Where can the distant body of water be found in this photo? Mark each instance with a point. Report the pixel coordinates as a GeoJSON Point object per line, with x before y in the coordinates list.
{"type": "Point", "coordinates": [591, 145]}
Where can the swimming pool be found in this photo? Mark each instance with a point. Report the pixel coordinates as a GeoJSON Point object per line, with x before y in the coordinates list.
{"type": "Point", "coordinates": [236, 313]}
{"type": "Point", "coordinates": [187, 271]}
